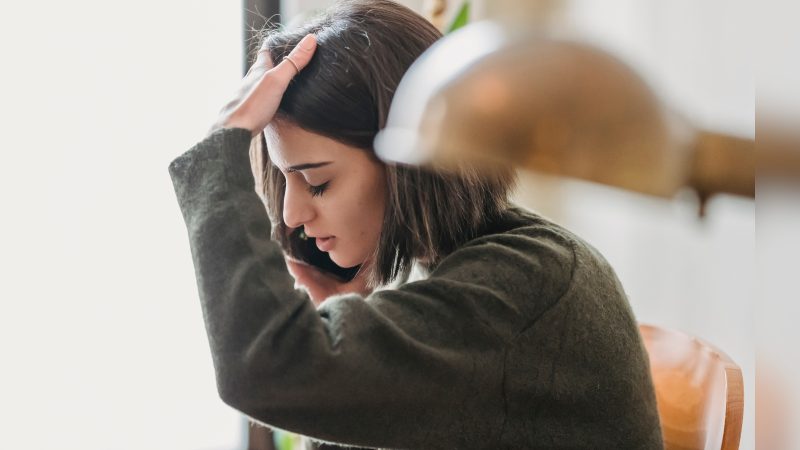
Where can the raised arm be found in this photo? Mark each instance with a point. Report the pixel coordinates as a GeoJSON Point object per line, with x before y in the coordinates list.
{"type": "Point", "coordinates": [417, 367]}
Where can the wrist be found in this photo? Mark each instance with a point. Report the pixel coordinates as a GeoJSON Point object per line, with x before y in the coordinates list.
{"type": "Point", "coordinates": [236, 121]}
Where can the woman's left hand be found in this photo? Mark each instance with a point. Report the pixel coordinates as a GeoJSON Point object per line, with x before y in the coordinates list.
{"type": "Point", "coordinates": [320, 285]}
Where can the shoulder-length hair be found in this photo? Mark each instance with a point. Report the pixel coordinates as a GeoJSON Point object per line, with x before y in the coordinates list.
{"type": "Point", "coordinates": [364, 48]}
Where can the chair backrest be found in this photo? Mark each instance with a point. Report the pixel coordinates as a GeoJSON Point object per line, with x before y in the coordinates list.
{"type": "Point", "coordinates": [699, 391]}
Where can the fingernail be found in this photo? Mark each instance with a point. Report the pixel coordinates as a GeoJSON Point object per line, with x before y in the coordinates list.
{"type": "Point", "coordinates": [307, 42]}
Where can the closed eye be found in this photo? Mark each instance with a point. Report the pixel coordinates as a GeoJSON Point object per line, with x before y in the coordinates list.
{"type": "Point", "coordinates": [316, 191]}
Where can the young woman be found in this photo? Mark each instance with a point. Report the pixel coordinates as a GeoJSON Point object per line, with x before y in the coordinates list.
{"type": "Point", "coordinates": [520, 336]}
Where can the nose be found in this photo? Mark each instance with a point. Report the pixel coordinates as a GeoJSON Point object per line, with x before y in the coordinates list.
{"type": "Point", "coordinates": [297, 209]}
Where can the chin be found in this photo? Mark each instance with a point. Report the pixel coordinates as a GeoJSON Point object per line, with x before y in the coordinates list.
{"type": "Point", "coordinates": [343, 261]}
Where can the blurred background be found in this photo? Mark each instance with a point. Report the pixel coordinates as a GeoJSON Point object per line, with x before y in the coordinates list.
{"type": "Point", "coordinates": [101, 333]}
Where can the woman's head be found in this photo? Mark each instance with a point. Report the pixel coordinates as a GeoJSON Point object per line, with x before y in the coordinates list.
{"type": "Point", "coordinates": [382, 216]}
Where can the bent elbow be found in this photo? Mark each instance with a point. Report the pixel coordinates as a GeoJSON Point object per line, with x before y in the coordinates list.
{"type": "Point", "coordinates": [245, 395]}
{"type": "Point", "coordinates": [236, 388]}
{"type": "Point", "coordinates": [232, 392]}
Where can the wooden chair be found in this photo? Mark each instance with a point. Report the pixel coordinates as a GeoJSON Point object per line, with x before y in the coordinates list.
{"type": "Point", "coordinates": [699, 391]}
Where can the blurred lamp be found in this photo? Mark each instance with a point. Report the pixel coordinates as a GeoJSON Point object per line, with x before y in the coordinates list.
{"type": "Point", "coordinates": [492, 94]}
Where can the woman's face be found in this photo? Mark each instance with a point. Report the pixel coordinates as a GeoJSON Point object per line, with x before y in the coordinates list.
{"type": "Point", "coordinates": [336, 191]}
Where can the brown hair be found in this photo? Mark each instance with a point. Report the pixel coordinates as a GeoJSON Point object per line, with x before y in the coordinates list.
{"type": "Point", "coordinates": [364, 48]}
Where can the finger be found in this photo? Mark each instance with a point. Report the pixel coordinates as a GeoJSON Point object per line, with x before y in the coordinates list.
{"type": "Point", "coordinates": [295, 268]}
{"type": "Point", "coordinates": [267, 91]}
{"type": "Point", "coordinates": [297, 59]}
{"type": "Point", "coordinates": [303, 273]}
{"type": "Point", "coordinates": [270, 88]}
{"type": "Point", "coordinates": [263, 59]}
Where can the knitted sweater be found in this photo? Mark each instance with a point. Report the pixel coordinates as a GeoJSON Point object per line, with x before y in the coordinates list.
{"type": "Point", "coordinates": [521, 338]}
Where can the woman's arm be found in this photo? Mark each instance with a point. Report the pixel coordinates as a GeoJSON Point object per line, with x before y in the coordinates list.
{"type": "Point", "coordinates": [417, 367]}
{"type": "Point", "coordinates": [423, 366]}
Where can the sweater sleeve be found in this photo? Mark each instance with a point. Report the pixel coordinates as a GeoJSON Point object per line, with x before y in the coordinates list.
{"type": "Point", "coordinates": [421, 366]}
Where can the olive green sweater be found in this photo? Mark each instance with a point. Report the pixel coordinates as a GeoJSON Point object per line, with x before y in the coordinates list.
{"type": "Point", "coordinates": [521, 338]}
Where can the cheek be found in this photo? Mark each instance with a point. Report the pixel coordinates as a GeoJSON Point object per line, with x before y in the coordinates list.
{"type": "Point", "coordinates": [361, 219]}
{"type": "Point", "coordinates": [365, 214]}
{"type": "Point", "coordinates": [373, 204]}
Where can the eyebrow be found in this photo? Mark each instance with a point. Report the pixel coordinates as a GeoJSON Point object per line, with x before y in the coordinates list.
{"type": "Point", "coordinates": [300, 167]}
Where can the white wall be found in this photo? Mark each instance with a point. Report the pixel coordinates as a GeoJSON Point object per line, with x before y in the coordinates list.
{"type": "Point", "coordinates": [101, 335]}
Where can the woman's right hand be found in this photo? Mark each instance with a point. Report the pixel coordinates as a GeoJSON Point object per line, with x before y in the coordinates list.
{"type": "Point", "coordinates": [262, 88]}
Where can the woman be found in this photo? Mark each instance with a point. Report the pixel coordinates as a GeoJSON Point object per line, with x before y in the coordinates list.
{"type": "Point", "coordinates": [519, 337]}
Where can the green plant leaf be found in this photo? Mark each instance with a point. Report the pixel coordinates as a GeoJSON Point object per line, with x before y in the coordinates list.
{"type": "Point", "coordinates": [285, 440]}
{"type": "Point", "coordinates": [461, 19]}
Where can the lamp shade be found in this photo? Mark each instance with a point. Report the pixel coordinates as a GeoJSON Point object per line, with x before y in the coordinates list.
{"type": "Point", "coordinates": [556, 106]}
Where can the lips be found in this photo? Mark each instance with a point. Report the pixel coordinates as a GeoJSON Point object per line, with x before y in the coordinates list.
{"type": "Point", "coordinates": [324, 243]}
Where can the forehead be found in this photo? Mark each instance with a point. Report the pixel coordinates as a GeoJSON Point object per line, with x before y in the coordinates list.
{"type": "Point", "coordinates": [289, 145]}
